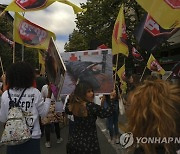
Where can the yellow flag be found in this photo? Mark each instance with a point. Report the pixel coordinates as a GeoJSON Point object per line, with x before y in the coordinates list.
{"type": "Point", "coordinates": [28, 5]}
{"type": "Point", "coordinates": [153, 65]}
{"type": "Point", "coordinates": [42, 57]}
{"type": "Point", "coordinates": [121, 74]}
{"type": "Point", "coordinates": [119, 36]}
{"type": "Point", "coordinates": [75, 7]}
{"type": "Point", "coordinates": [165, 12]}
{"type": "Point", "coordinates": [35, 5]}
{"type": "Point", "coordinates": [123, 87]}
{"type": "Point", "coordinates": [30, 34]}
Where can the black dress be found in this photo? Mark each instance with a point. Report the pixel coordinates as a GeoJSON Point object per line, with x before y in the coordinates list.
{"type": "Point", "coordinates": [84, 138]}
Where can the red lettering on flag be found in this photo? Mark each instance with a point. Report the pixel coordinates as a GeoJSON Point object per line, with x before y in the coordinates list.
{"type": "Point", "coordinates": [175, 4]}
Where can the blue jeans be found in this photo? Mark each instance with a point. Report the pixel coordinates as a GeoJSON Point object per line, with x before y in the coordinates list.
{"type": "Point", "coordinates": [113, 125]}
{"type": "Point", "coordinates": [30, 147]}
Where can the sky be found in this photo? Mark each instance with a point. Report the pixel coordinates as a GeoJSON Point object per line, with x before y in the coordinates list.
{"type": "Point", "coordinates": [58, 18]}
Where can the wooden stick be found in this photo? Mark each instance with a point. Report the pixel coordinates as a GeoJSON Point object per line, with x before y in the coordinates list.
{"type": "Point", "coordinates": [1, 65]}
{"type": "Point", "coordinates": [2, 12]}
{"type": "Point", "coordinates": [116, 70]}
{"type": "Point", "coordinates": [142, 74]}
{"type": "Point", "coordinates": [22, 52]}
{"type": "Point", "coordinates": [169, 75]}
{"type": "Point", "coordinates": [14, 52]}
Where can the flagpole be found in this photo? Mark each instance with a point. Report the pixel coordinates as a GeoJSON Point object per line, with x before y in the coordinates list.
{"type": "Point", "coordinates": [22, 44]}
{"type": "Point", "coordinates": [14, 52]}
{"type": "Point", "coordinates": [1, 65]}
{"type": "Point", "coordinates": [2, 12]}
{"type": "Point", "coordinates": [142, 74]}
{"type": "Point", "coordinates": [117, 59]}
{"type": "Point", "coordinates": [14, 49]}
{"type": "Point", "coordinates": [169, 76]}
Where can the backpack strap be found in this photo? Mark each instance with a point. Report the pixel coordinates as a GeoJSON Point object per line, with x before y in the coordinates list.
{"type": "Point", "coordinates": [12, 103]}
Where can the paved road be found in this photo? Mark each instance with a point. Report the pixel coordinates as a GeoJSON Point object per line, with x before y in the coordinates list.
{"type": "Point", "coordinates": [106, 148]}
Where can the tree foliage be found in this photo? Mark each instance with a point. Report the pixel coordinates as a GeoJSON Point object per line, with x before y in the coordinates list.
{"type": "Point", "coordinates": [77, 42]}
{"type": "Point", "coordinates": [97, 22]}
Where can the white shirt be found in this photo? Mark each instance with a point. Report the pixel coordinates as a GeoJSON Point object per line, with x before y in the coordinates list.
{"type": "Point", "coordinates": [71, 117]}
{"type": "Point", "coordinates": [97, 99]}
{"type": "Point", "coordinates": [32, 103]}
{"type": "Point", "coordinates": [44, 92]}
{"type": "Point", "coordinates": [58, 104]}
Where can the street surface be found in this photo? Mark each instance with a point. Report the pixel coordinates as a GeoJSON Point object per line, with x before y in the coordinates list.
{"type": "Point", "coordinates": [106, 147]}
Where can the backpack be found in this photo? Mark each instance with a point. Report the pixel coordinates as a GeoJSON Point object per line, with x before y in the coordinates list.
{"type": "Point", "coordinates": [16, 130]}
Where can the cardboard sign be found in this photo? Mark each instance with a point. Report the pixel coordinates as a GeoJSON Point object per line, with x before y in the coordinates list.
{"type": "Point", "coordinates": [94, 66]}
{"type": "Point", "coordinates": [55, 69]}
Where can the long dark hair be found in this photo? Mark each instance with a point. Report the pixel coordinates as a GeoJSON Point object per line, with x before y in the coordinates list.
{"type": "Point", "coordinates": [81, 89]}
{"type": "Point", "coordinates": [77, 99]}
{"type": "Point", "coordinates": [20, 75]}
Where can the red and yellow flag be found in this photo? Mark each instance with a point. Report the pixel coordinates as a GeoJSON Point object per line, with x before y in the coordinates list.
{"type": "Point", "coordinates": [30, 34]}
{"type": "Point", "coordinates": [35, 5]}
{"type": "Point", "coordinates": [122, 76]}
{"type": "Point", "coordinates": [153, 65]}
{"type": "Point", "coordinates": [119, 36]}
{"type": "Point", "coordinates": [75, 7]}
{"type": "Point", "coordinates": [165, 12]}
{"type": "Point", "coordinates": [121, 73]}
{"type": "Point", "coordinates": [28, 5]}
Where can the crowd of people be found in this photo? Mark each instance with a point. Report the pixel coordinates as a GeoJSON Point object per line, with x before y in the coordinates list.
{"type": "Point", "coordinates": [152, 106]}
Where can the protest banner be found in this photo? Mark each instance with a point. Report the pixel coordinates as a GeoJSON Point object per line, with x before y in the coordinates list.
{"type": "Point", "coordinates": [55, 69]}
{"type": "Point", "coordinates": [94, 66]}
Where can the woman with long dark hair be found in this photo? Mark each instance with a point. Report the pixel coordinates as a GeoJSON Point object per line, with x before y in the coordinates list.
{"type": "Point", "coordinates": [20, 77]}
{"type": "Point", "coordinates": [80, 104]}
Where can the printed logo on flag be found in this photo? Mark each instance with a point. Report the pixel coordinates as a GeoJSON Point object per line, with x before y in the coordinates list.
{"type": "Point", "coordinates": [136, 54]}
{"type": "Point", "coordinates": [124, 35]}
{"type": "Point", "coordinates": [116, 29]}
{"type": "Point", "coordinates": [153, 27]}
{"type": "Point", "coordinates": [175, 4]}
{"type": "Point", "coordinates": [31, 34]}
{"type": "Point", "coordinates": [154, 66]}
{"type": "Point", "coordinates": [30, 4]}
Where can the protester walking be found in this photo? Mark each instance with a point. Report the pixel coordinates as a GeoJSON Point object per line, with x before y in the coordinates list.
{"type": "Point", "coordinates": [84, 134]}
{"type": "Point", "coordinates": [20, 77]}
{"type": "Point", "coordinates": [52, 118]}
{"type": "Point", "coordinates": [40, 81]}
{"type": "Point", "coordinates": [112, 121]}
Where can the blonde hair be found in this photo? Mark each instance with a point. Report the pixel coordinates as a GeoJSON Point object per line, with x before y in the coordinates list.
{"type": "Point", "coordinates": [153, 110]}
